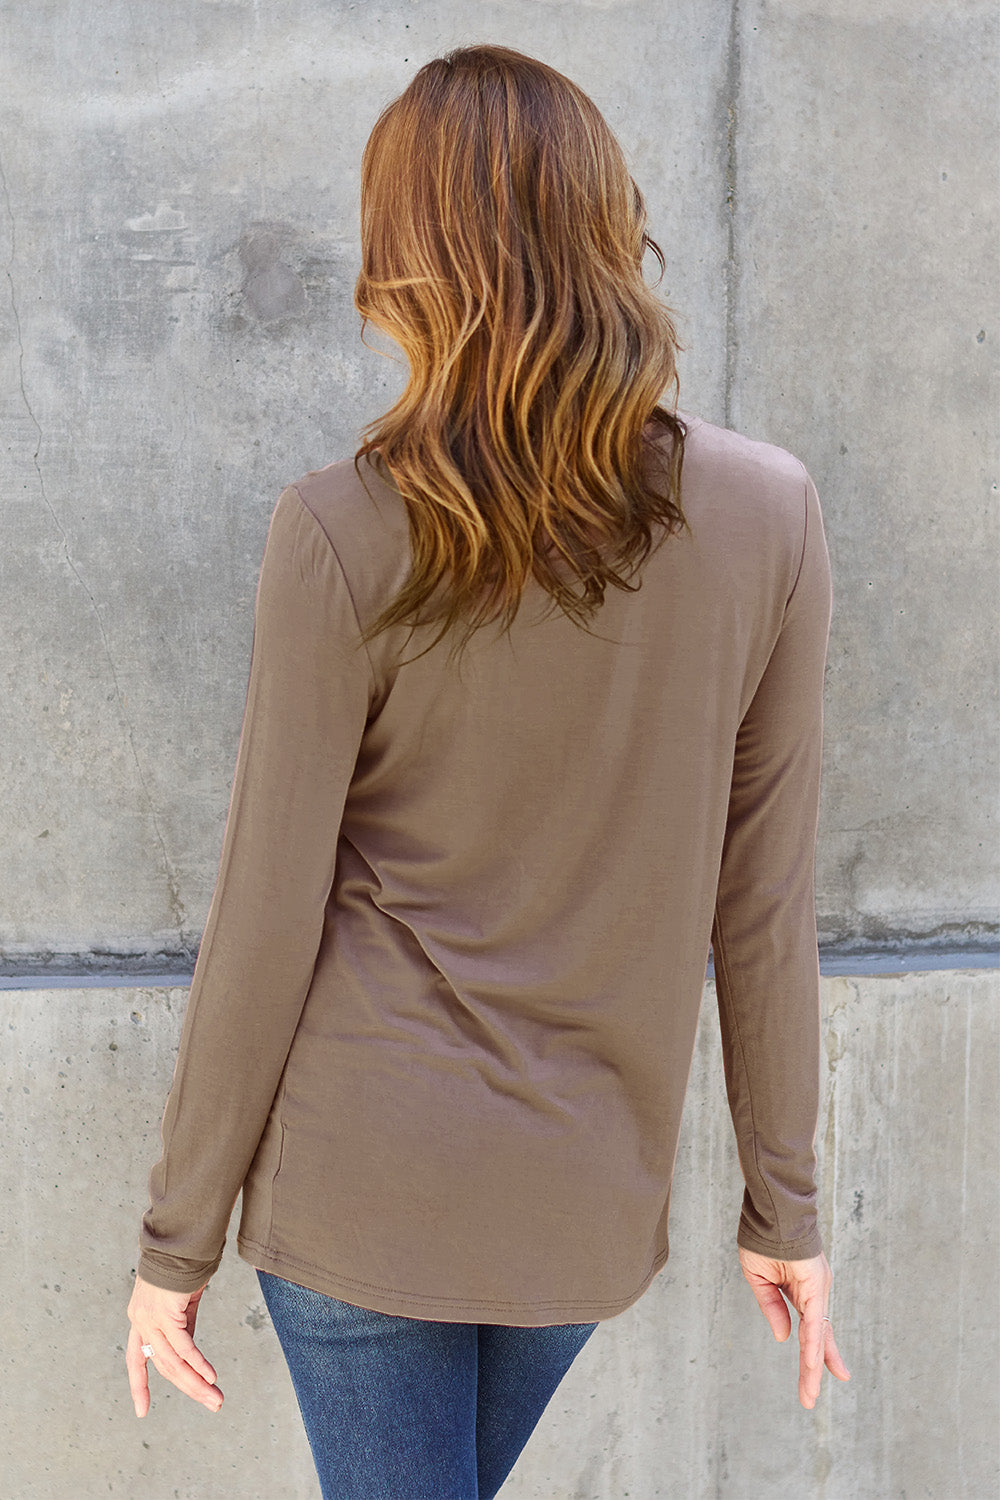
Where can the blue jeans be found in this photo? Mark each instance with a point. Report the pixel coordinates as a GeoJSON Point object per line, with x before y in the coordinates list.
{"type": "Point", "coordinates": [402, 1408]}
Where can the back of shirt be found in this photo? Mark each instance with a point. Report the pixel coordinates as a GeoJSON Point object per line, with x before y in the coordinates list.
{"type": "Point", "coordinates": [444, 1010]}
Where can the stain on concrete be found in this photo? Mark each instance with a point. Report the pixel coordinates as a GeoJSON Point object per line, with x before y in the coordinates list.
{"type": "Point", "coordinates": [271, 288]}
{"type": "Point", "coordinates": [162, 217]}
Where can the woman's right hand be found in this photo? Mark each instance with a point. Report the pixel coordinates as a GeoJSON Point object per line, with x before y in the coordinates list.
{"type": "Point", "coordinates": [806, 1284]}
{"type": "Point", "coordinates": [165, 1321]}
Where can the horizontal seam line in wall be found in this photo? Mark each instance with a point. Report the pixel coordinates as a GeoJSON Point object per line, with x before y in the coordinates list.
{"type": "Point", "coordinates": [832, 962]}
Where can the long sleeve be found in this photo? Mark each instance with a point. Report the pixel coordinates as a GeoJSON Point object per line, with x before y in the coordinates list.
{"type": "Point", "coordinates": [307, 701]}
{"type": "Point", "coordinates": [764, 933]}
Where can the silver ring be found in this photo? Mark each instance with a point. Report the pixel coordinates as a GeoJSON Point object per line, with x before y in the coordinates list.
{"type": "Point", "coordinates": [146, 1350]}
{"type": "Point", "coordinates": [825, 1319]}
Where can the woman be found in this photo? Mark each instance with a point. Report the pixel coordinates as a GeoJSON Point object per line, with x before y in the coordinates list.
{"type": "Point", "coordinates": [486, 819]}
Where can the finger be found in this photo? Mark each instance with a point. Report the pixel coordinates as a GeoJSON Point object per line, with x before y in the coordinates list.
{"type": "Point", "coordinates": [191, 1314]}
{"type": "Point", "coordinates": [811, 1375]}
{"type": "Point", "coordinates": [185, 1346]}
{"type": "Point", "coordinates": [135, 1364]}
{"type": "Point", "coordinates": [812, 1333]}
{"type": "Point", "coordinates": [834, 1363]}
{"type": "Point", "coordinates": [172, 1367]}
{"type": "Point", "coordinates": [772, 1304]}
{"type": "Point", "coordinates": [179, 1329]}
{"type": "Point", "coordinates": [809, 1383]}
{"type": "Point", "coordinates": [812, 1328]}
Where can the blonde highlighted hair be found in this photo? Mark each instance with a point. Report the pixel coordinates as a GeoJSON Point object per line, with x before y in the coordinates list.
{"type": "Point", "coordinates": [502, 244]}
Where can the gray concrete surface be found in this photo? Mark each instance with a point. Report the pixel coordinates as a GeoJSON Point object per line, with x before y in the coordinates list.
{"type": "Point", "coordinates": [686, 1396]}
{"type": "Point", "coordinates": [864, 334]}
{"type": "Point", "coordinates": [179, 218]}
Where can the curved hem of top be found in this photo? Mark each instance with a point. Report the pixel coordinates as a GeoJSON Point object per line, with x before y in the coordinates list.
{"type": "Point", "coordinates": [439, 1309]}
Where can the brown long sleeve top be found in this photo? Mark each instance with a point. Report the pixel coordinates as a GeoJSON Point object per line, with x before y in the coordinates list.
{"type": "Point", "coordinates": [444, 1009]}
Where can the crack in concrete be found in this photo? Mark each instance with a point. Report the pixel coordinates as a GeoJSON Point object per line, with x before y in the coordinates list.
{"type": "Point", "coordinates": [178, 911]}
{"type": "Point", "coordinates": [732, 94]}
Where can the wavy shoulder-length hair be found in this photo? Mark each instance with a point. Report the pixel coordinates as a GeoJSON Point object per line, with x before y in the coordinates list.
{"type": "Point", "coordinates": [502, 242]}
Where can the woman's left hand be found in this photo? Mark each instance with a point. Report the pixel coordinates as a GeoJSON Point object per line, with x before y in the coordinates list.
{"type": "Point", "coordinates": [165, 1322]}
{"type": "Point", "coordinates": [806, 1284]}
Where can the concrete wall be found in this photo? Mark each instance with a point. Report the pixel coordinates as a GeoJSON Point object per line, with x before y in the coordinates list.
{"type": "Point", "coordinates": [178, 228]}
{"type": "Point", "coordinates": [180, 186]}
{"type": "Point", "coordinates": [864, 334]}
{"type": "Point", "coordinates": [685, 1396]}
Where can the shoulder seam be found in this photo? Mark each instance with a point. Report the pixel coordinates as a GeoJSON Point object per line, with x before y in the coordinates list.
{"type": "Point", "coordinates": [343, 573]}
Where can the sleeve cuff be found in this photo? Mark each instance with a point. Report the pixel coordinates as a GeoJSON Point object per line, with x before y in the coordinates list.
{"type": "Point", "coordinates": [804, 1248]}
{"type": "Point", "coordinates": [173, 1275]}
